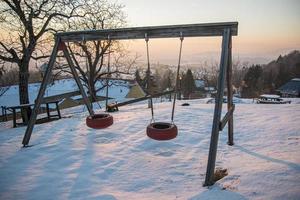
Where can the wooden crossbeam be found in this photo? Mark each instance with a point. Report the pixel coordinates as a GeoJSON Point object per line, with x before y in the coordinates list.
{"type": "Point", "coordinates": [168, 31]}
{"type": "Point", "coordinates": [142, 98]}
{"type": "Point", "coordinates": [60, 96]}
{"type": "Point", "coordinates": [227, 116]}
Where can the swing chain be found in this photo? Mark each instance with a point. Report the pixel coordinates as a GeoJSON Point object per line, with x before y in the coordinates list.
{"type": "Point", "coordinates": [89, 85]}
{"type": "Point", "coordinates": [108, 72]}
{"type": "Point", "coordinates": [177, 77]}
{"type": "Point", "coordinates": [148, 78]}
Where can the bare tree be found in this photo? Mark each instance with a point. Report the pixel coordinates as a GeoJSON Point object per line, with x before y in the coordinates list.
{"type": "Point", "coordinates": [3, 88]}
{"type": "Point", "coordinates": [91, 57]}
{"type": "Point", "coordinates": [29, 23]}
{"type": "Point", "coordinates": [239, 69]}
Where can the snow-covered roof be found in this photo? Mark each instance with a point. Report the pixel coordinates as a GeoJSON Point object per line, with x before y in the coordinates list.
{"type": "Point", "coordinates": [209, 88]}
{"type": "Point", "coordinates": [118, 91]}
{"type": "Point", "coordinates": [199, 83]}
{"type": "Point", "coordinates": [270, 96]}
{"type": "Point", "coordinates": [291, 87]}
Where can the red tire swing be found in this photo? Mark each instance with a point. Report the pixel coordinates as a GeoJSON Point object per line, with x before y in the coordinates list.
{"type": "Point", "coordinates": [99, 121]}
{"type": "Point", "coordinates": [162, 130]}
{"type": "Point", "coordinates": [104, 120]}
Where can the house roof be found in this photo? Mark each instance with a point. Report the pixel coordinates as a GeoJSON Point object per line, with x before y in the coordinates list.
{"type": "Point", "coordinates": [269, 96]}
{"type": "Point", "coordinates": [291, 87]}
{"type": "Point", "coordinates": [199, 83]}
{"type": "Point", "coordinates": [135, 92]}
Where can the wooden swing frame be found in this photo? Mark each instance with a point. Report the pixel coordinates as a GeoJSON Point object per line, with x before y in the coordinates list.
{"type": "Point", "coordinates": [225, 29]}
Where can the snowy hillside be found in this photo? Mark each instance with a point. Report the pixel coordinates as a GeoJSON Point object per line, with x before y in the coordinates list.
{"type": "Point", "coordinates": [118, 91]}
{"type": "Point", "coordinates": [71, 161]}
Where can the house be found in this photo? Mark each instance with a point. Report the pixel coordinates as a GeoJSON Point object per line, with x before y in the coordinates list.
{"type": "Point", "coordinates": [290, 89]}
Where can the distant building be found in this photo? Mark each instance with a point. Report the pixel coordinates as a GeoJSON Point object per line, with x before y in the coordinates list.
{"type": "Point", "coordinates": [200, 84]}
{"type": "Point", "coordinates": [290, 89]}
{"type": "Point", "coordinates": [135, 91]}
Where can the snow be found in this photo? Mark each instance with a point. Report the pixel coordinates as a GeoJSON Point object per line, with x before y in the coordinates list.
{"type": "Point", "coordinates": [296, 79]}
{"type": "Point", "coordinates": [117, 91]}
{"type": "Point", "coordinates": [271, 96]}
{"type": "Point", "coordinates": [68, 160]}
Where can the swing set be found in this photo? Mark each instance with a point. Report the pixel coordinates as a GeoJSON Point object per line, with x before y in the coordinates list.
{"type": "Point", "coordinates": [155, 130]}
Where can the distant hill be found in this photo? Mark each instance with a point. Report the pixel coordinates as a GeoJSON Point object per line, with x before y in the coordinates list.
{"type": "Point", "coordinates": [284, 68]}
{"type": "Point", "coordinates": [267, 78]}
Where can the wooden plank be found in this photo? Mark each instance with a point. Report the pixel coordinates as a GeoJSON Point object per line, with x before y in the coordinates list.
{"type": "Point", "coordinates": [227, 116]}
{"type": "Point", "coordinates": [60, 97]}
{"type": "Point", "coordinates": [230, 94]}
{"type": "Point", "coordinates": [37, 105]}
{"type": "Point", "coordinates": [209, 179]}
{"type": "Point", "coordinates": [142, 98]}
{"type": "Point", "coordinates": [20, 106]}
{"type": "Point", "coordinates": [168, 31]}
{"type": "Point", "coordinates": [73, 70]}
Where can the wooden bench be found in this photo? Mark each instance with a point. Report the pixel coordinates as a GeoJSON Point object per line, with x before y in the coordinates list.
{"type": "Point", "coordinates": [14, 110]}
{"type": "Point", "coordinates": [55, 99]}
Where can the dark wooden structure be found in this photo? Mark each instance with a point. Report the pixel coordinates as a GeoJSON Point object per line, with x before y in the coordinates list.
{"type": "Point", "coordinates": [115, 106]}
{"type": "Point", "coordinates": [14, 110]}
{"type": "Point", "coordinates": [225, 30]}
{"type": "Point", "coordinates": [55, 99]}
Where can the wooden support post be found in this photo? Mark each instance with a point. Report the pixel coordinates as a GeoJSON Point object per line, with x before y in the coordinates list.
{"type": "Point", "coordinates": [57, 109]}
{"type": "Point", "coordinates": [76, 77]}
{"type": "Point", "coordinates": [38, 101]}
{"type": "Point", "coordinates": [48, 110]}
{"type": "Point", "coordinates": [14, 118]}
{"type": "Point", "coordinates": [209, 179]}
{"type": "Point", "coordinates": [227, 116]}
{"type": "Point", "coordinates": [230, 93]}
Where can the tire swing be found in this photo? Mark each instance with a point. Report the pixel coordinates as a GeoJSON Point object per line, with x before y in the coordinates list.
{"type": "Point", "coordinates": [162, 130]}
{"type": "Point", "coordinates": [102, 120]}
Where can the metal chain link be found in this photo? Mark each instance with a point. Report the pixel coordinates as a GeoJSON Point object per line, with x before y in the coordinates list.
{"type": "Point", "coordinates": [148, 78]}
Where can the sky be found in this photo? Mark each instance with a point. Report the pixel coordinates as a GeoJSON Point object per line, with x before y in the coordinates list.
{"type": "Point", "coordinates": [267, 28]}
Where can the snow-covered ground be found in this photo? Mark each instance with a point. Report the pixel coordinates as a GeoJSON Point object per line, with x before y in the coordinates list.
{"type": "Point", "coordinates": [68, 160]}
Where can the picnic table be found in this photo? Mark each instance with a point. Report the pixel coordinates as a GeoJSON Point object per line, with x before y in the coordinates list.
{"type": "Point", "coordinates": [55, 99]}
{"type": "Point", "coordinates": [14, 110]}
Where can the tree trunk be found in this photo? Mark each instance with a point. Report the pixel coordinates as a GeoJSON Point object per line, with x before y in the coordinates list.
{"type": "Point", "coordinates": [92, 91]}
{"type": "Point", "coordinates": [23, 90]}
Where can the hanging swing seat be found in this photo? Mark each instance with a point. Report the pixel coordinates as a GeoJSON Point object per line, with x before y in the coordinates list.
{"type": "Point", "coordinates": [99, 121]}
{"type": "Point", "coordinates": [162, 131]}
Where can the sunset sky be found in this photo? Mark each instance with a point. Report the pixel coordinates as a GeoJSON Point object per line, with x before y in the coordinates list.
{"type": "Point", "coordinates": [267, 28]}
